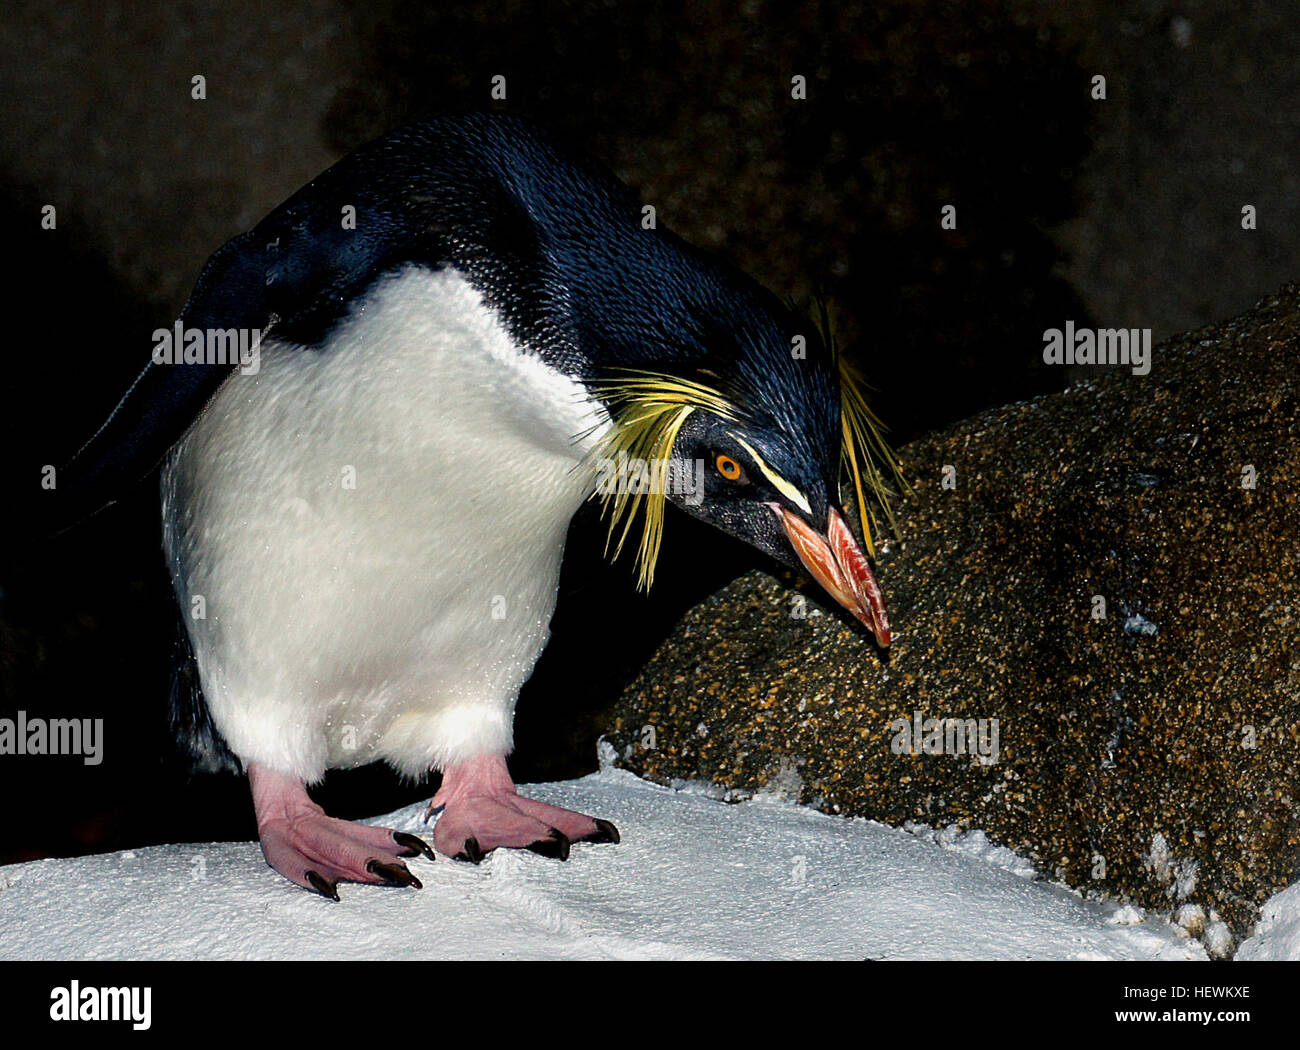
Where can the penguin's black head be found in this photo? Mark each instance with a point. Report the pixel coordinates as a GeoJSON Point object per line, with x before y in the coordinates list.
{"type": "Point", "coordinates": [753, 435]}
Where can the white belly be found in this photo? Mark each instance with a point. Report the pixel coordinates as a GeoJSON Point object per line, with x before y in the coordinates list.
{"type": "Point", "coordinates": [375, 532]}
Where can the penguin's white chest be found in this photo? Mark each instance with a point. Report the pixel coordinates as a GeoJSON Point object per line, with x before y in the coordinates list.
{"type": "Point", "coordinates": [366, 539]}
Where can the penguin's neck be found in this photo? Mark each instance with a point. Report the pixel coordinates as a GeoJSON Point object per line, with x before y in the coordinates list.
{"type": "Point", "coordinates": [427, 346]}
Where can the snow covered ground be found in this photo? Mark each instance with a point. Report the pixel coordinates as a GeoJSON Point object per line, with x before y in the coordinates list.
{"type": "Point", "coordinates": [694, 878]}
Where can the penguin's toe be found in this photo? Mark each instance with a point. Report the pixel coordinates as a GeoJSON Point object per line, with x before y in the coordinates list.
{"type": "Point", "coordinates": [470, 852]}
{"type": "Point", "coordinates": [413, 846]}
{"type": "Point", "coordinates": [576, 827]}
{"type": "Point", "coordinates": [318, 852]}
{"type": "Point", "coordinates": [555, 846]}
{"type": "Point", "coordinates": [322, 885]}
{"type": "Point", "coordinates": [469, 828]}
{"type": "Point", "coordinates": [605, 832]}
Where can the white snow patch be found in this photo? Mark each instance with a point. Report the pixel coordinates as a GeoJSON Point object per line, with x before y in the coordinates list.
{"type": "Point", "coordinates": [975, 844]}
{"type": "Point", "coordinates": [1191, 917]}
{"type": "Point", "coordinates": [1218, 939]}
{"type": "Point", "coordinates": [692, 879]}
{"type": "Point", "coordinates": [1277, 934]}
{"type": "Point", "coordinates": [1179, 876]}
{"type": "Point", "coordinates": [1128, 915]}
{"type": "Point", "coordinates": [606, 755]}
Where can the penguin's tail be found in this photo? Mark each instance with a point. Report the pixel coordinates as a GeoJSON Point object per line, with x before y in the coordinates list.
{"type": "Point", "coordinates": [201, 744]}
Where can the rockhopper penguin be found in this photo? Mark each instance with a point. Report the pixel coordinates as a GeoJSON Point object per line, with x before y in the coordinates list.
{"type": "Point", "coordinates": [461, 329]}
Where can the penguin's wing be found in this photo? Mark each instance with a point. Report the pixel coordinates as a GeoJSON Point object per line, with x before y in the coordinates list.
{"type": "Point", "coordinates": [165, 399]}
{"type": "Point", "coordinates": [293, 275]}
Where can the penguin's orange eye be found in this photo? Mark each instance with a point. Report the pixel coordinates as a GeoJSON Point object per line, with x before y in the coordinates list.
{"type": "Point", "coordinates": [727, 467]}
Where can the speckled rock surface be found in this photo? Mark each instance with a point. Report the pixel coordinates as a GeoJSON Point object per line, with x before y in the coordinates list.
{"type": "Point", "coordinates": [1152, 755]}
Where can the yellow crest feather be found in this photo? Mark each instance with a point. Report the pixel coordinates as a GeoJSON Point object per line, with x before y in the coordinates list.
{"type": "Point", "coordinates": [869, 461]}
{"type": "Point", "coordinates": [648, 410]}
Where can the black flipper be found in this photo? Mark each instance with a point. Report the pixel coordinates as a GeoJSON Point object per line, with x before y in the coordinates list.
{"type": "Point", "coordinates": [164, 400]}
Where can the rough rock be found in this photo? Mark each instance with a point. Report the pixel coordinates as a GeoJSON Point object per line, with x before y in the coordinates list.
{"type": "Point", "coordinates": [1105, 583]}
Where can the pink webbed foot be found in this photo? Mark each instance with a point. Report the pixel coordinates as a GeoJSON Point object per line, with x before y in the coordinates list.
{"type": "Point", "coordinates": [318, 852]}
{"type": "Point", "coordinates": [480, 811]}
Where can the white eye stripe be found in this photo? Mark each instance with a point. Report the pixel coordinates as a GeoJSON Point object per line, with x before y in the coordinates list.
{"type": "Point", "coordinates": [784, 487]}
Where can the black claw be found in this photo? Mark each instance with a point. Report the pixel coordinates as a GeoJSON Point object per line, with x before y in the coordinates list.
{"type": "Point", "coordinates": [415, 846]}
{"type": "Point", "coordinates": [322, 885]}
{"type": "Point", "coordinates": [556, 847]}
{"type": "Point", "coordinates": [470, 851]}
{"type": "Point", "coordinates": [392, 874]}
{"type": "Point", "coordinates": [605, 832]}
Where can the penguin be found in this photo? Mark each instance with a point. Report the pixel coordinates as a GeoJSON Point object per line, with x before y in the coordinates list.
{"type": "Point", "coordinates": [446, 343]}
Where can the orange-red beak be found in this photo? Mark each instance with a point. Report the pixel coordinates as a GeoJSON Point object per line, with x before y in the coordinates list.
{"type": "Point", "coordinates": [838, 564]}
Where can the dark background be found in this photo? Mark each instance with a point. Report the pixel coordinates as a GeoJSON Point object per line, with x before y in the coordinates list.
{"type": "Point", "coordinates": [1122, 213]}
